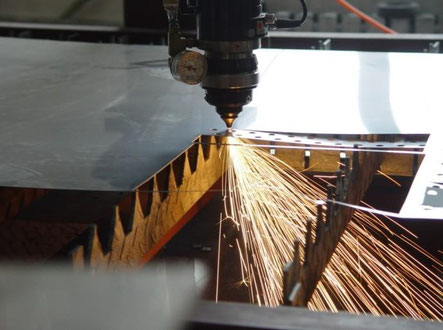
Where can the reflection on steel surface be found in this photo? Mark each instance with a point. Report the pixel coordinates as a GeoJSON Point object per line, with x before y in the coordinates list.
{"type": "Point", "coordinates": [343, 92]}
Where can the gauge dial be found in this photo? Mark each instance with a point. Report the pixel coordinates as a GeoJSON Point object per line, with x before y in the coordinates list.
{"type": "Point", "coordinates": [189, 67]}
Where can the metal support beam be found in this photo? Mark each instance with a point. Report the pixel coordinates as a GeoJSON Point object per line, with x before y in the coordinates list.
{"type": "Point", "coordinates": [350, 188]}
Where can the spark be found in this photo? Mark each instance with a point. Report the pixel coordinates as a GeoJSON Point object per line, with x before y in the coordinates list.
{"type": "Point", "coordinates": [389, 178]}
{"type": "Point", "coordinates": [371, 271]}
{"type": "Point", "coordinates": [218, 258]}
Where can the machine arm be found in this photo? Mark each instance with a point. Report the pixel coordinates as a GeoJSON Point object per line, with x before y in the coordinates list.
{"type": "Point", "coordinates": [228, 31]}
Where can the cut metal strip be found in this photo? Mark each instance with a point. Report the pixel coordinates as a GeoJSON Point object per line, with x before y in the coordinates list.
{"type": "Point", "coordinates": [328, 142]}
{"type": "Point", "coordinates": [424, 198]}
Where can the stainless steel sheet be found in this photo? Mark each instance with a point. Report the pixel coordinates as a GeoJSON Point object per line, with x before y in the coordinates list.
{"type": "Point", "coordinates": [107, 117]}
{"type": "Point", "coordinates": [90, 116]}
{"type": "Point", "coordinates": [345, 92]}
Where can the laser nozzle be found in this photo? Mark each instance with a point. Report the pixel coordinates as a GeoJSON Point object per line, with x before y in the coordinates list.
{"type": "Point", "coordinates": [229, 115]}
{"type": "Point", "coordinates": [229, 119]}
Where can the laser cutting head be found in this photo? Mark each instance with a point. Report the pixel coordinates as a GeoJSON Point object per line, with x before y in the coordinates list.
{"type": "Point", "coordinates": [228, 31]}
{"type": "Point", "coordinates": [229, 101]}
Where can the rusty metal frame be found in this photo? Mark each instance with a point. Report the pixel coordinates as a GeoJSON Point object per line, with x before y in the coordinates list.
{"type": "Point", "coordinates": [301, 279]}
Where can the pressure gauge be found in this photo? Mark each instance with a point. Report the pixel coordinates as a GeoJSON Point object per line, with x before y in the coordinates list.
{"type": "Point", "coordinates": [189, 67]}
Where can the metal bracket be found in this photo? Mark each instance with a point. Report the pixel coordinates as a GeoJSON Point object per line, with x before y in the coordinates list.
{"type": "Point", "coordinates": [325, 44]}
{"type": "Point", "coordinates": [176, 43]}
{"type": "Point", "coordinates": [434, 47]}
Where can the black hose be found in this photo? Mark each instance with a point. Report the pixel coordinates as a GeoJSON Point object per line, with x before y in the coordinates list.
{"type": "Point", "coordinates": [293, 23]}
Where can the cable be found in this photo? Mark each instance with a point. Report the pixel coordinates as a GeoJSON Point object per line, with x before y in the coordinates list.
{"type": "Point", "coordinates": [293, 23]}
{"type": "Point", "coordinates": [365, 17]}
